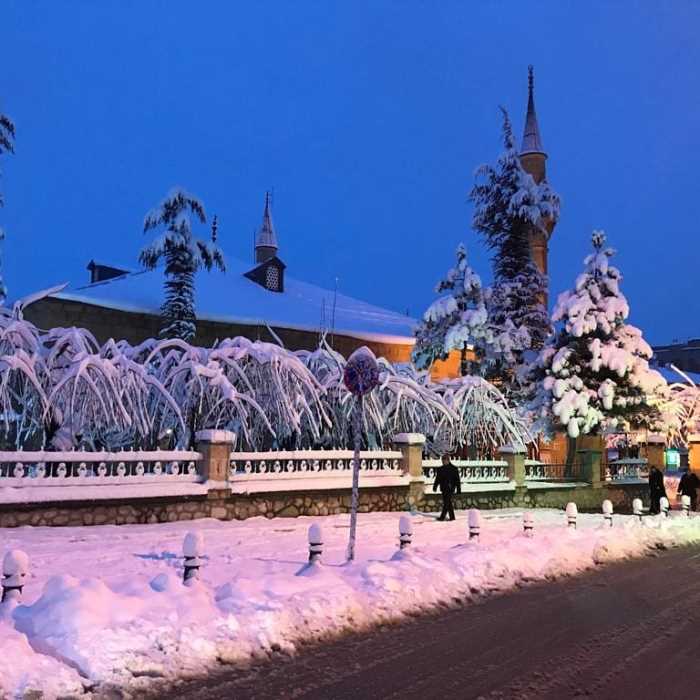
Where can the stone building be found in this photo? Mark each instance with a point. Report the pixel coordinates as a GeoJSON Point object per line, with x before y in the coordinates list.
{"type": "Point", "coordinates": [258, 301]}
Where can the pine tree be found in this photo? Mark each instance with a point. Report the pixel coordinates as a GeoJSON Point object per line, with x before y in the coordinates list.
{"type": "Point", "coordinates": [507, 205]}
{"type": "Point", "coordinates": [455, 321]}
{"type": "Point", "coordinates": [595, 371]}
{"type": "Point", "coordinates": [183, 255]}
{"type": "Point", "coordinates": [7, 135]}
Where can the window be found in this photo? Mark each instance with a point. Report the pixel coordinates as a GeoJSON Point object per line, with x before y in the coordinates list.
{"type": "Point", "coordinates": [272, 278]}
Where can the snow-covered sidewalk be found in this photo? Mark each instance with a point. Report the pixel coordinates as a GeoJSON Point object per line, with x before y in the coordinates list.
{"type": "Point", "coordinates": [105, 605]}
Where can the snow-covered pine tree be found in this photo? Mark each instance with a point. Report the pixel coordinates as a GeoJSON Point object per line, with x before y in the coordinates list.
{"type": "Point", "coordinates": [507, 205]}
{"type": "Point", "coordinates": [456, 320]}
{"type": "Point", "coordinates": [595, 372]}
{"type": "Point", "coordinates": [183, 255]}
{"type": "Point", "coordinates": [7, 135]}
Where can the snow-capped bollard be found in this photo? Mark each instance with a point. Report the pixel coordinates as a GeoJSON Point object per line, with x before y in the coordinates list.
{"type": "Point", "coordinates": [665, 507]}
{"type": "Point", "coordinates": [15, 569]}
{"type": "Point", "coordinates": [528, 524]}
{"type": "Point", "coordinates": [608, 512]}
{"type": "Point", "coordinates": [571, 514]}
{"type": "Point", "coordinates": [192, 551]}
{"type": "Point", "coordinates": [474, 524]}
{"type": "Point", "coordinates": [637, 508]}
{"type": "Point", "coordinates": [405, 531]}
{"type": "Point", "coordinates": [315, 543]}
{"type": "Point", "coordinates": [685, 506]}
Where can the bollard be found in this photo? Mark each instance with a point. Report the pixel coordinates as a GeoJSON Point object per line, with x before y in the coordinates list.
{"type": "Point", "coordinates": [315, 543]}
{"type": "Point", "coordinates": [528, 524]}
{"type": "Point", "coordinates": [608, 511]}
{"type": "Point", "coordinates": [637, 508]}
{"type": "Point", "coordinates": [192, 551]}
{"type": "Point", "coordinates": [685, 506]}
{"type": "Point", "coordinates": [665, 506]}
{"type": "Point", "coordinates": [474, 524]}
{"type": "Point", "coordinates": [571, 513]}
{"type": "Point", "coordinates": [15, 569]}
{"type": "Point", "coordinates": [405, 531]}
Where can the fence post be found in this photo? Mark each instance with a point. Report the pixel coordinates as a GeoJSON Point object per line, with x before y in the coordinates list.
{"type": "Point", "coordinates": [655, 450]}
{"type": "Point", "coordinates": [591, 461]}
{"type": "Point", "coordinates": [694, 452]}
{"type": "Point", "coordinates": [515, 456]}
{"type": "Point", "coordinates": [411, 447]}
{"type": "Point", "coordinates": [215, 447]}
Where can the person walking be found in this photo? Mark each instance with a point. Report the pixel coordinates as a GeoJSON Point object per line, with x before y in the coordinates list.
{"type": "Point", "coordinates": [688, 486]}
{"type": "Point", "coordinates": [448, 480]}
{"type": "Point", "coordinates": [656, 490]}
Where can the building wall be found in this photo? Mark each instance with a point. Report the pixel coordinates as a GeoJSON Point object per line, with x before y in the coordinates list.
{"type": "Point", "coordinates": [107, 323]}
{"type": "Point", "coordinates": [685, 356]}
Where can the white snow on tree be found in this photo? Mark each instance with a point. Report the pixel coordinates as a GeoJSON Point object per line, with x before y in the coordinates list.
{"type": "Point", "coordinates": [7, 135]}
{"type": "Point", "coordinates": [183, 255]}
{"type": "Point", "coordinates": [508, 206]}
{"type": "Point", "coordinates": [595, 373]}
{"type": "Point", "coordinates": [456, 321]}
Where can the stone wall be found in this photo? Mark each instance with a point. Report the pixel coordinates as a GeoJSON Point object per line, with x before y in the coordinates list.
{"type": "Point", "coordinates": [220, 504]}
{"type": "Point", "coordinates": [224, 505]}
{"type": "Point", "coordinates": [135, 327]}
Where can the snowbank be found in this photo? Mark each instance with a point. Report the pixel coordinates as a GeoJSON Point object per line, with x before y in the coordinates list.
{"type": "Point", "coordinates": [137, 621]}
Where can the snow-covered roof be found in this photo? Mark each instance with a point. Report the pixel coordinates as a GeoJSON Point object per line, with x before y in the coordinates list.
{"type": "Point", "coordinates": [532, 141]}
{"type": "Point", "coordinates": [232, 298]}
{"type": "Point", "coordinates": [266, 236]}
{"type": "Point", "coordinates": [672, 377]}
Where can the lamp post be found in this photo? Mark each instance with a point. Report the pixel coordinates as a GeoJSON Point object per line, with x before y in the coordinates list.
{"type": "Point", "coordinates": [361, 376]}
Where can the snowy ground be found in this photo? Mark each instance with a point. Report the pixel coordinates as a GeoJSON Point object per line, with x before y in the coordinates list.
{"type": "Point", "coordinates": [105, 605]}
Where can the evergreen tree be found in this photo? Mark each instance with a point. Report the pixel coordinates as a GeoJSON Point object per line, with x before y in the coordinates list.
{"type": "Point", "coordinates": [595, 371]}
{"type": "Point", "coordinates": [183, 255]}
{"type": "Point", "coordinates": [508, 204]}
{"type": "Point", "coordinates": [7, 135]}
{"type": "Point", "coordinates": [454, 321]}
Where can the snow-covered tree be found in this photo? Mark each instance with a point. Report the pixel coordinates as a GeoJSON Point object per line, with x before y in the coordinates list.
{"type": "Point", "coordinates": [7, 135]}
{"type": "Point", "coordinates": [456, 321]}
{"type": "Point", "coordinates": [595, 374]}
{"type": "Point", "coordinates": [183, 255]}
{"type": "Point", "coordinates": [508, 206]}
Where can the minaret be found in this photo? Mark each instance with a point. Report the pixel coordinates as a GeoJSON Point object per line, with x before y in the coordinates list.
{"type": "Point", "coordinates": [533, 159]}
{"type": "Point", "coordinates": [266, 238]}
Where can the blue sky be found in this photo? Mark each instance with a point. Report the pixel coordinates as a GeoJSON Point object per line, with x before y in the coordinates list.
{"type": "Point", "coordinates": [368, 119]}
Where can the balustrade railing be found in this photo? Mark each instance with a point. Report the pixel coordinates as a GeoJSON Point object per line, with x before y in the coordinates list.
{"type": "Point", "coordinates": [630, 469]}
{"type": "Point", "coordinates": [542, 471]}
{"type": "Point", "coordinates": [310, 463]}
{"type": "Point", "coordinates": [472, 471]}
{"type": "Point", "coordinates": [61, 468]}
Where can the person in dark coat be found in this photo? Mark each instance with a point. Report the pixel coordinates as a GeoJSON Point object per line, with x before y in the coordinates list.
{"type": "Point", "coordinates": [688, 486]}
{"type": "Point", "coordinates": [447, 479]}
{"type": "Point", "coordinates": [656, 490]}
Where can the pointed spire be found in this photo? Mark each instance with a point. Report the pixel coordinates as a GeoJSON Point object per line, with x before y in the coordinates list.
{"type": "Point", "coordinates": [532, 141]}
{"type": "Point", "coordinates": [266, 236]}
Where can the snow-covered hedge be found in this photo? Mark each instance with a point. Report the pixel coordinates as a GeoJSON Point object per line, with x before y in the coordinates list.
{"type": "Point", "coordinates": [61, 389]}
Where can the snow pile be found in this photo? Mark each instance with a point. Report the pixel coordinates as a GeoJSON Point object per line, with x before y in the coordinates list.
{"type": "Point", "coordinates": [138, 621]}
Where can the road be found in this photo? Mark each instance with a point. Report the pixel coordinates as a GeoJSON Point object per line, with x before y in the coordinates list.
{"type": "Point", "coordinates": [628, 630]}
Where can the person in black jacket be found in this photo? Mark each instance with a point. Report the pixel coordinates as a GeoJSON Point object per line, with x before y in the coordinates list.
{"type": "Point", "coordinates": [656, 490]}
{"type": "Point", "coordinates": [447, 478]}
{"type": "Point", "coordinates": [688, 486]}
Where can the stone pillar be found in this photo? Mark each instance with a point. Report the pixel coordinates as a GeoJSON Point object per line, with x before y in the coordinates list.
{"type": "Point", "coordinates": [216, 447]}
{"type": "Point", "coordinates": [655, 447]}
{"type": "Point", "coordinates": [694, 453]}
{"type": "Point", "coordinates": [411, 447]}
{"type": "Point", "coordinates": [591, 458]}
{"type": "Point", "coordinates": [515, 456]}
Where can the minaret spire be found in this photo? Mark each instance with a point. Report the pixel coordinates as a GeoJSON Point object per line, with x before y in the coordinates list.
{"type": "Point", "coordinates": [532, 141]}
{"type": "Point", "coordinates": [266, 238]}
